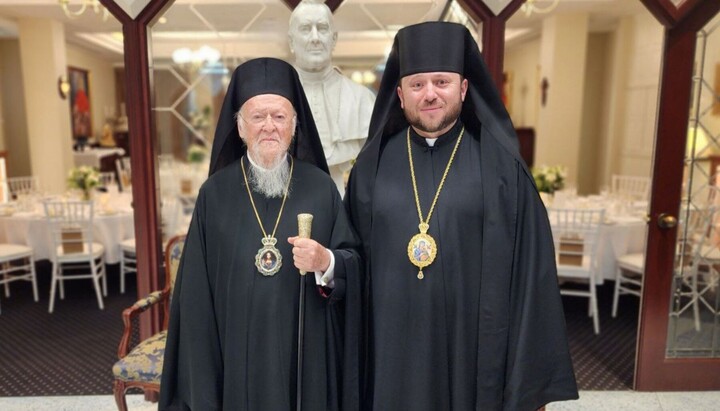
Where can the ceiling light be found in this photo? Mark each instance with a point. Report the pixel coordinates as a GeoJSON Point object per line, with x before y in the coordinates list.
{"type": "Point", "coordinates": [205, 55]}
{"type": "Point", "coordinates": [80, 8]}
{"type": "Point", "coordinates": [531, 6]}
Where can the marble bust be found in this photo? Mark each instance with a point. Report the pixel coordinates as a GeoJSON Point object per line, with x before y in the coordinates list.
{"type": "Point", "coordinates": [341, 108]}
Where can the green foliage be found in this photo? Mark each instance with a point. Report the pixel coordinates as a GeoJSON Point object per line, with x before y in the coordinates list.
{"type": "Point", "coordinates": [84, 178]}
{"type": "Point", "coordinates": [549, 179]}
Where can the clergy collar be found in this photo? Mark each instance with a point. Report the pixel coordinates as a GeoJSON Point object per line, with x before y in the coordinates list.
{"type": "Point", "coordinates": [442, 140]}
{"type": "Point", "coordinates": [315, 76]}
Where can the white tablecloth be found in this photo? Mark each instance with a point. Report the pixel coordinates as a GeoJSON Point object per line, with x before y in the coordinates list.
{"type": "Point", "coordinates": [620, 237]}
{"type": "Point", "coordinates": [622, 232]}
{"type": "Point", "coordinates": [33, 229]}
{"type": "Point", "coordinates": [93, 157]}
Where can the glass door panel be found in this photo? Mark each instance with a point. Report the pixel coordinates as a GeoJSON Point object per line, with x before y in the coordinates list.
{"type": "Point", "coordinates": [694, 323]}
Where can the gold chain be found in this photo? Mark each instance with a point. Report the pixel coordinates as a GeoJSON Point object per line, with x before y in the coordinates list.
{"type": "Point", "coordinates": [287, 188]}
{"type": "Point", "coordinates": [442, 181]}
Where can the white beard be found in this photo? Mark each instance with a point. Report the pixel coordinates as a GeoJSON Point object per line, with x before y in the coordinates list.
{"type": "Point", "coordinates": [270, 182]}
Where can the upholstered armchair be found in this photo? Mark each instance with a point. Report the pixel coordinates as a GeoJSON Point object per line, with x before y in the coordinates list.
{"type": "Point", "coordinates": [141, 366]}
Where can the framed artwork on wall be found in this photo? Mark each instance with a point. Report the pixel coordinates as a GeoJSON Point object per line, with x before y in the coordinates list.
{"type": "Point", "coordinates": [80, 110]}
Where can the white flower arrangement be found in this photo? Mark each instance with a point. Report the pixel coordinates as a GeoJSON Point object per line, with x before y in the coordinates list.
{"type": "Point", "coordinates": [83, 178]}
{"type": "Point", "coordinates": [549, 179]}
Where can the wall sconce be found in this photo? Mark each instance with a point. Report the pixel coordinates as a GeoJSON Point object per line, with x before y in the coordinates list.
{"type": "Point", "coordinates": [531, 7]}
{"type": "Point", "coordinates": [63, 86]}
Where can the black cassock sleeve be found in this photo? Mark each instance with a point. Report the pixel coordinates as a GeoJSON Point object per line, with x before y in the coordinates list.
{"type": "Point", "coordinates": [192, 370]}
{"type": "Point", "coordinates": [344, 308]}
{"type": "Point", "coordinates": [538, 365]}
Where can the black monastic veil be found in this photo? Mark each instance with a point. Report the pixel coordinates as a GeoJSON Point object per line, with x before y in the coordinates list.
{"type": "Point", "coordinates": [484, 330]}
{"type": "Point", "coordinates": [232, 336]}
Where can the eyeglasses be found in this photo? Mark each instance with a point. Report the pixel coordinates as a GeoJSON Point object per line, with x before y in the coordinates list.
{"type": "Point", "coordinates": [279, 119]}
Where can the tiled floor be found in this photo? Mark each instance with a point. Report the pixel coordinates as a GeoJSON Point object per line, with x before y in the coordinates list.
{"type": "Point", "coordinates": [589, 401]}
{"type": "Point", "coordinates": [641, 401]}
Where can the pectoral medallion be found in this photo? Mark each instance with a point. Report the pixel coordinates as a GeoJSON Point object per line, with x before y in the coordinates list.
{"type": "Point", "coordinates": [422, 249]}
{"type": "Point", "coordinates": [268, 259]}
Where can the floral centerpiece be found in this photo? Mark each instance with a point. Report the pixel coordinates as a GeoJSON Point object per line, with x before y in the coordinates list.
{"type": "Point", "coordinates": [196, 153]}
{"type": "Point", "coordinates": [84, 178]}
{"type": "Point", "coordinates": [200, 120]}
{"type": "Point", "coordinates": [549, 179]}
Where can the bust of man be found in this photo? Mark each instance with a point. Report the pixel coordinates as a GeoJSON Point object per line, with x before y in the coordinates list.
{"type": "Point", "coordinates": [341, 108]}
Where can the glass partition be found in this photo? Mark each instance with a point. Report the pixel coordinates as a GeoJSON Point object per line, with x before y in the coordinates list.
{"type": "Point", "coordinates": [694, 326]}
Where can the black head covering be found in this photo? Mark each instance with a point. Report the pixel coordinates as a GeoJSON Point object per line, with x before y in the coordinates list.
{"type": "Point", "coordinates": [440, 46]}
{"type": "Point", "coordinates": [265, 76]}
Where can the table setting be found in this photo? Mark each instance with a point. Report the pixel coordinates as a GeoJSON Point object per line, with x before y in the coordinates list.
{"type": "Point", "coordinates": [623, 229]}
{"type": "Point", "coordinates": [23, 221]}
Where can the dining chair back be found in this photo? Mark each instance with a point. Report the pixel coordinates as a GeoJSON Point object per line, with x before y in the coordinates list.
{"type": "Point", "coordinates": [17, 264]}
{"type": "Point", "coordinates": [633, 188]}
{"type": "Point", "coordinates": [22, 185]}
{"type": "Point", "coordinates": [75, 253]}
{"type": "Point", "coordinates": [697, 263]}
{"type": "Point", "coordinates": [576, 233]}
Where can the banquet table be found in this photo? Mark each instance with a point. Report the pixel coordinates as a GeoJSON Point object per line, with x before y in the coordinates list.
{"type": "Point", "coordinates": [622, 231]}
{"type": "Point", "coordinates": [94, 157]}
{"type": "Point", "coordinates": [112, 223]}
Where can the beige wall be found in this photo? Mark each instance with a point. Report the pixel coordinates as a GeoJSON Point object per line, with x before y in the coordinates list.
{"type": "Point", "coordinates": [641, 94]}
{"type": "Point", "coordinates": [522, 63]}
{"type": "Point", "coordinates": [617, 85]}
{"type": "Point", "coordinates": [102, 85]}
{"type": "Point", "coordinates": [14, 106]}
{"type": "Point", "coordinates": [591, 136]}
{"type": "Point", "coordinates": [42, 52]}
{"type": "Point", "coordinates": [613, 113]}
{"type": "Point", "coordinates": [14, 124]}
{"type": "Point", "coordinates": [562, 62]}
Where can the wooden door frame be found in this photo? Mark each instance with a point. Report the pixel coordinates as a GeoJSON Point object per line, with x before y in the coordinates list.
{"type": "Point", "coordinates": [146, 207]}
{"type": "Point", "coordinates": [653, 371]}
{"type": "Point", "coordinates": [141, 128]}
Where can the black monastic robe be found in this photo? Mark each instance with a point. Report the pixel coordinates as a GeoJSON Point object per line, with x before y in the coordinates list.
{"type": "Point", "coordinates": [232, 339]}
{"type": "Point", "coordinates": [484, 330]}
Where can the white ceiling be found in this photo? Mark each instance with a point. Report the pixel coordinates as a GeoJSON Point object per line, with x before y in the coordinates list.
{"type": "Point", "coordinates": [241, 29]}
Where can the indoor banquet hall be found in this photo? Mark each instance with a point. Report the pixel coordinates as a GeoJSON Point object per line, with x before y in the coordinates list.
{"type": "Point", "coordinates": [108, 111]}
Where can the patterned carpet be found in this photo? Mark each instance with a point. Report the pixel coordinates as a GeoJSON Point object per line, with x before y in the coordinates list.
{"type": "Point", "coordinates": [606, 361]}
{"type": "Point", "coordinates": [71, 351]}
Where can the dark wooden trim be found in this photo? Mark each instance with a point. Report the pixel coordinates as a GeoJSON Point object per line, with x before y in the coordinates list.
{"type": "Point", "coordinates": [142, 158]}
{"type": "Point", "coordinates": [493, 40]}
{"type": "Point", "coordinates": [654, 372]}
{"type": "Point", "coordinates": [142, 152]}
{"type": "Point", "coordinates": [332, 4]}
{"type": "Point", "coordinates": [669, 15]}
{"type": "Point", "coordinates": [493, 35]}
{"type": "Point", "coordinates": [662, 12]}
{"type": "Point", "coordinates": [116, 11]}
